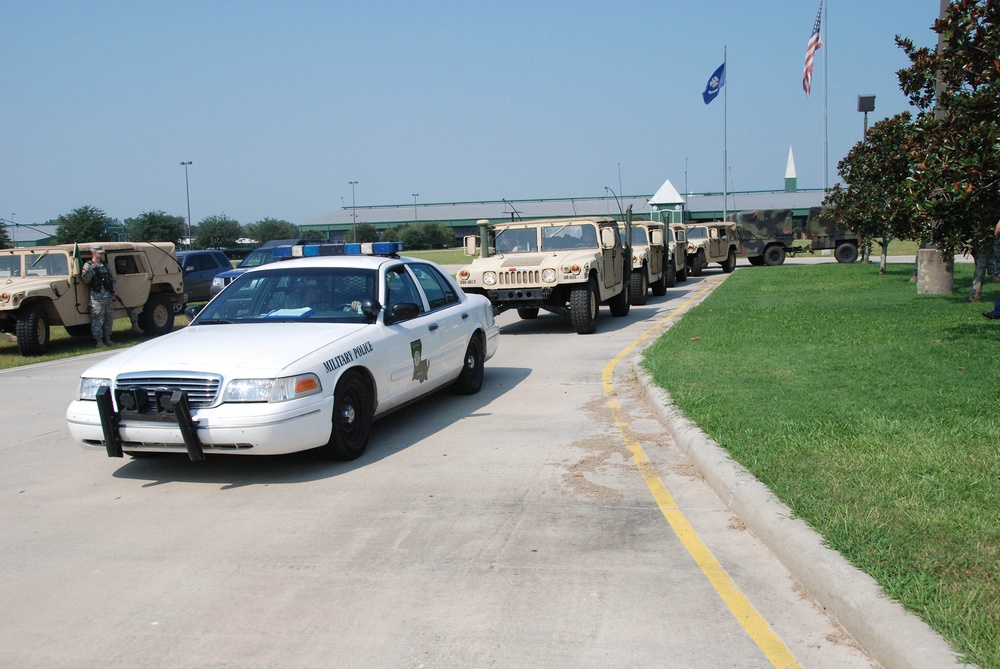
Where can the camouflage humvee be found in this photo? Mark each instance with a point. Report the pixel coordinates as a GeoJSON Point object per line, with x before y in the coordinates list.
{"type": "Point", "coordinates": [649, 256]}
{"type": "Point", "coordinates": [768, 235]}
{"type": "Point", "coordinates": [568, 266]}
{"type": "Point", "coordinates": [718, 241]}
{"type": "Point", "coordinates": [41, 286]}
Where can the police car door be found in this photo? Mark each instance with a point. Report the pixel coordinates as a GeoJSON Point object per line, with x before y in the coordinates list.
{"type": "Point", "coordinates": [411, 342]}
{"type": "Point", "coordinates": [450, 320]}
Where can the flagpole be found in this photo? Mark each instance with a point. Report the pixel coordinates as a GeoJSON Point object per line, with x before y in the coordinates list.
{"type": "Point", "coordinates": [826, 89]}
{"type": "Point", "coordinates": [725, 139]}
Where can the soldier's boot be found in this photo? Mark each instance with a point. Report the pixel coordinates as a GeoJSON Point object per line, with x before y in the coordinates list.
{"type": "Point", "coordinates": [101, 344]}
{"type": "Point", "coordinates": [107, 341]}
{"type": "Point", "coordinates": [136, 329]}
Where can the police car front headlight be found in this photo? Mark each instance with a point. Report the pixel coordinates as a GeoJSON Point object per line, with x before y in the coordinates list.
{"type": "Point", "coordinates": [549, 276]}
{"type": "Point", "coordinates": [89, 387]}
{"type": "Point", "coordinates": [272, 390]}
{"type": "Point", "coordinates": [490, 278]}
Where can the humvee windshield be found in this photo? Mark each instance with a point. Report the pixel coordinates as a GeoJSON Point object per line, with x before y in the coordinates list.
{"type": "Point", "coordinates": [697, 233]}
{"type": "Point", "coordinates": [569, 237]}
{"type": "Point", "coordinates": [48, 263]}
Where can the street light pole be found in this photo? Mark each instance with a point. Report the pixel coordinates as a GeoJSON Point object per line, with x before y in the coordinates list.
{"type": "Point", "coordinates": [354, 212]}
{"type": "Point", "coordinates": [415, 196]}
{"type": "Point", "coordinates": [187, 188]}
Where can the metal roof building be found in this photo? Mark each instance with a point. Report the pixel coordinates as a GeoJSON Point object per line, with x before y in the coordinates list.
{"type": "Point", "coordinates": [665, 204]}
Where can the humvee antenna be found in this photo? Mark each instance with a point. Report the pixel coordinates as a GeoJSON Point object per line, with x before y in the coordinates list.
{"type": "Point", "coordinates": [619, 202]}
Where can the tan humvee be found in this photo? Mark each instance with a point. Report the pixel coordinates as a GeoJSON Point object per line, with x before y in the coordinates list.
{"type": "Point", "coordinates": [568, 266]}
{"type": "Point", "coordinates": [649, 256]}
{"type": "Point", "coordinates": [41, 286]}
{"type": "Point", "coordinates": [718, 241]}
{"type": "Point", "coordinates": [677, 254]}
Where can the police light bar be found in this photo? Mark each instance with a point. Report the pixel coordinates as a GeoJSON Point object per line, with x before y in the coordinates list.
{"type": "Point", "coordinates": [308, 250]}
{"type": "Point", "coordinates": [373, 248]}
{"type": "Point", "coordinates": [316, 250]}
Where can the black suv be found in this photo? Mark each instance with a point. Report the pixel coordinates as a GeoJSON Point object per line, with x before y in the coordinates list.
{"type": "Point", "coordinates": [200, 267]}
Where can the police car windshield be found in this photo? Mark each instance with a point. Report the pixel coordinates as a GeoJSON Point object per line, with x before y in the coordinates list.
{"type": "Point", "coordinates": [307, 294]}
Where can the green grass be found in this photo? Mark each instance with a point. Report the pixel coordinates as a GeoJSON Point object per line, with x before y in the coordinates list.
{"type": "Point", "coordinates": [872, 412]}
{"type": "Point", "coordinates": [454, 256]}
{"type": "Point", "coordinates": [64, 346]}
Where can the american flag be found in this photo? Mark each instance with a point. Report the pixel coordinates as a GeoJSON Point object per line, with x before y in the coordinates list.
{"type": "Point", "coordinates": [811, 48]}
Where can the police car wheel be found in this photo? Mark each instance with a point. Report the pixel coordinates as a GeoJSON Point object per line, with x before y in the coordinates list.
{"type": "Point", "coordinates": [352, 418]}
{"type": "Point", "coordinates": [470, 380]}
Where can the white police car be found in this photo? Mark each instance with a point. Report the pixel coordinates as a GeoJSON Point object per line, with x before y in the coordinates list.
{"type": "Point", "coordinates": [294, 355]}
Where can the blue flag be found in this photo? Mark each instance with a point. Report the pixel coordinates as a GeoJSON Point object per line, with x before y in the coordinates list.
{"type": "Point", "coordinates": [715, 82]}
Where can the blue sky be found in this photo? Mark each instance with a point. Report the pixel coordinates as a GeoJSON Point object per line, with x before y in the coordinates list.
{"type": "Point", "coordinates": [279, 105]}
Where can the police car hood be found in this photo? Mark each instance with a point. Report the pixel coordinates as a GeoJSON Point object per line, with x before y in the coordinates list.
{"type": "Point", "coordinates": [255, 349]}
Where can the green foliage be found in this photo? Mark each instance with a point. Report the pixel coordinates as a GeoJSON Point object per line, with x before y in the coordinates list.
{"type": "Point", "coordinates": [955, 145]}
{"type": "Point", "coordinates": [217, 232]}
{"type": "Point", "coordinates": [393, 233]}
{"type": "Point", "coordinates": [5, 240]}
{"type": "Point", "coordinates": [871, 411]}
{"type": "Point", "coordinates": [365, 232]}
{"type": "Point", "coordinates": [313, 236]}
{"type": "Point", "coordinates": [267, 229]}
{"type": "Point", "coordinates": [83, 224]}
{"type": "Point", "coordinates": [427, 236]}
{"type": "Point", "coordinates": [155, 226]}
{"type": "Point", "coordinates": [877, 202]}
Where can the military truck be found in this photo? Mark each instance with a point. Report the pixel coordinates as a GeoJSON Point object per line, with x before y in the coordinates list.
{"type": "Point", "coordinates": [768, 235]}
{"type": "Point", "coordinates": [707, 243]}
{"type": "Point", "coordinates": [677, 255]}
{"type": "Point", "coordinates": [649, 260]}
{"type": "Point", "coordinates": [568, 266]}
{"type": "Point", "coordinates": [41, 286]}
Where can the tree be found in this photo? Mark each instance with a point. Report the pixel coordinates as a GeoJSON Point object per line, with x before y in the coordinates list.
{"type": "Point", "coordinates": [877, 201]}
{"type": "Point", "coordinates": [5, 240]}
{"type": "Point", "coordinates": [955, 145]}
{"type": "Point", "coordinates": [313, 236]}
{"type": "Point", "coordinates": [427, 236]}
{"type": "Point", "coordinates": [267, 229]}
{"type": "Point", "coordinates": [83, 224]}
{"type": "Point", "coordinates": [217, 232]}
{"type": "Point", "coordinates": [155, 226]}
{"type": "Point", "coordinates": [362, 233]}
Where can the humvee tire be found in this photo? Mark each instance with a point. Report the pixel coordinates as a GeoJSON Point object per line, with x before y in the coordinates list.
{"type": "Point", "coordinates": [774, 256]}
{"type": "Point", "coordinates": [619, 304]}
{"type": "Point", "coordinates": [583, 306]}
{"type": "Point", "coordinates": [637, 287]}
{"type": "Point", "coordinates": [157, 317]}
{"type": "Point", "coordinates": [729, 264]}
{"type": "Point", "coordinates": [697, 264]}
{"type": "Point", "coordinates": [32, 331]}
{"type": "Point", "coordinates": [527, 313]}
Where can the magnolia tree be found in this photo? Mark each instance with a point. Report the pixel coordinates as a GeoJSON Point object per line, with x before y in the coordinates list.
{"type": "Point", "coordinates": [877, 203]}
{"type": "Point", "coordinates": [955, 140]}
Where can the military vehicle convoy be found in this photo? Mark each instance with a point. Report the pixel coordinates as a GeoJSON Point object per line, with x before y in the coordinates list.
{"type": "Point", "coordinates": [41, 286]}
{"type": "Point", "coordinates": [649, 260]}
{"type": "Point", "coordinates": [768, 235]}
{"type": "Point", "coordinates": [708, 243]}
{"type": "Point", "coordinates": [568, 266]}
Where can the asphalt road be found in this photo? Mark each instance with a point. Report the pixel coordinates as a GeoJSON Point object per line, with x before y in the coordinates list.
{"type": "Point", "coordinates": [514, 528]}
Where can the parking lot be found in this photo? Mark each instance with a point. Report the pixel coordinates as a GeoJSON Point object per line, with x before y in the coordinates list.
{"type": "Point", "coordinates": [510, 528]}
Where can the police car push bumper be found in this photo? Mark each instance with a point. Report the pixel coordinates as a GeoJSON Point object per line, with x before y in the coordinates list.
{"type": "Point", "coordinates": [173, 427]}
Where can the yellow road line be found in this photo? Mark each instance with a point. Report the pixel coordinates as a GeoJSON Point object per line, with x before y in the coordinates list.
{"type": "Point", "coordinates": [744, 612]}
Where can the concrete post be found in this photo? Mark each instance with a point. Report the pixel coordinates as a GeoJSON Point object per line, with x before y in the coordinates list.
{"type": "Point", "coordinates": [935, 276]}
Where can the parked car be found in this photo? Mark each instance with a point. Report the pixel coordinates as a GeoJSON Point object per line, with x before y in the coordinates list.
{"type": "Point", "coordinates": [200, 268]}
{"type": "Point", "coordinates": [260, 256]}
{"type": "Point", "coordinates": [291, 356]}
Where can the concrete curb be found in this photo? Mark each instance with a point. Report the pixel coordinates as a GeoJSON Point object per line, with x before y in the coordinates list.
{"type": "Point", "coordinates": [893, 636]}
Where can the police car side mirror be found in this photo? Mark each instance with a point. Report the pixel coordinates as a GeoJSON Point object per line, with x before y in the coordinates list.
{"type": "Point", "coordinates": [192, 311]}
{"type": "Point", "coordinates": [370, 308]}
{"type": "Point", "coordinates": [401, 311]}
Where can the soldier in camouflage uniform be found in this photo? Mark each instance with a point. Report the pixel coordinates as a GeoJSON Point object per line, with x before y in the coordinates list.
{"type": "Point", "coordinates": [97, 275]}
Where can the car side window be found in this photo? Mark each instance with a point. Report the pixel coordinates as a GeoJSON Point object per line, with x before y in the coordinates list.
{"type": "Point", "coordinates": [437, 288]}
{"type": "Point", "coordinates": [399, 287]}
